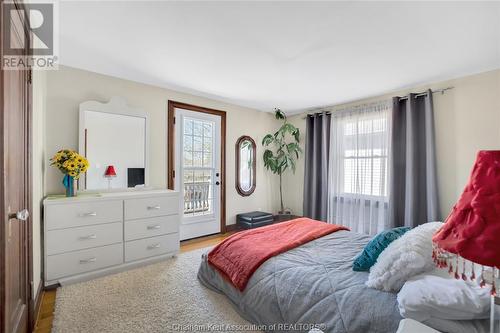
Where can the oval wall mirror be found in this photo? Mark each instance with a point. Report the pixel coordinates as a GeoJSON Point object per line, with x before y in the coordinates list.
{"type": "Point", "coordinates": [245, 165]}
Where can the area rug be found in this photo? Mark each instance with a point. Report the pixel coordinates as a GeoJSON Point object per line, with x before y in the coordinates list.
{"type": "Point", "coordinates": [163, 297]}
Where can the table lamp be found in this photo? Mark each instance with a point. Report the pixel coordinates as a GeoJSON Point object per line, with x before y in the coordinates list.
{"type": "Point", "coordinates": [110, 174]}
{"type": "Point", "coordinates": [471, 233]}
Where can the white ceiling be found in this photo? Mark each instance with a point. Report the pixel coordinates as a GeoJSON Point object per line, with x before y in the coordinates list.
{"type": "Point", "coordinates": [292, 55]}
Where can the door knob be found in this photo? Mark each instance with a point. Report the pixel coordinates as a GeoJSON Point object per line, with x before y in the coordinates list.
{"type": "Point", "coordinates": [217, 183]}
{"type": "Point", "coordinates": [21, 215]}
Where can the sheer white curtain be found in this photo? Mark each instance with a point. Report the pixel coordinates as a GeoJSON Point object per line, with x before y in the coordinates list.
{"type": "Point", "coordinates": [359, 163]}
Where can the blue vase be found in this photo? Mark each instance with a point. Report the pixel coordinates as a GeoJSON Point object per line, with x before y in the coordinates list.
{"type": "Point", "coordinates": [69, 184]}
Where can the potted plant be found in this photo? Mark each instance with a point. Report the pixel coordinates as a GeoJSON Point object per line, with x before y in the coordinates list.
{"type": "Point", "coordinates": [72, 165]}
{"type": "Point", "coordinates": [282, 150]}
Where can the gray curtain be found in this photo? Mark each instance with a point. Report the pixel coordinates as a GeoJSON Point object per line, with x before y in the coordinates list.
{"type": "Point", "coordinates": [316, 166]}
{"type": "Point", "coordinates": [413, 186]}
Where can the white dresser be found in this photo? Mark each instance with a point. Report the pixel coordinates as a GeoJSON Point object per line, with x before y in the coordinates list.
{"type": "Point", "coordinates": [97, 234]}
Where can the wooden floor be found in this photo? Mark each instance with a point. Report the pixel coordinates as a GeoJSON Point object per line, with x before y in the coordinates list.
{"type": "Point", "coordinates": [46, 314]}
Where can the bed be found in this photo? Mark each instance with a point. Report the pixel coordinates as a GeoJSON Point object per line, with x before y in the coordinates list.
{"type": "Point", "coordinates": [312, 284]}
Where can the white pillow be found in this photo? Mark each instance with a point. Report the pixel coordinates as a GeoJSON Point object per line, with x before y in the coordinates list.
{"type": "Point", "coordinates": [436, 294]}
{"type": "Point", "coordinates": [407, 256]}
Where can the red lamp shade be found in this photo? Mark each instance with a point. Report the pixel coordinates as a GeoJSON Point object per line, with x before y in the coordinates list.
{"type": "Point", "coordinates": [472, 230]}
{"type": "Point", "coordinates": [110, 171]}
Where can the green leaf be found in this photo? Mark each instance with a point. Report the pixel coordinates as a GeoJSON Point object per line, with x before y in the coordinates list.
{"type": "Point", "coordinates": [292, 147]}
{"type": "Point", "coordinates": [296, 135]}
{"type": "Point", "coordinates": [287, 128]}
{"type": "Point", "coordinates": [279, 114]}
{"type": "Point", "coordinates": [267, 154]}
{"type": "Point", "coordinates": [270, 161]}
{"type": "Point", "coordinates": [267, 140]}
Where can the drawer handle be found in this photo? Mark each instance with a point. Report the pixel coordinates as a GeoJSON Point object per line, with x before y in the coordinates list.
{"type": "Point", "coordinates": [88, 214]}
{"type": "Point", "coordinates": [93, 236]}
{"type": "Point", "coordinates": [154, 246]}
{"type": "Point", "coordinates": [153, 207]}
{"type": "Point", "coordinates": [88, 261]}
{"type": "Point", "coordinates": [154, 227]}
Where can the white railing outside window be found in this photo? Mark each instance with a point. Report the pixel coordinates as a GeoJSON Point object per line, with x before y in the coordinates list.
{"type": "Point", "coordinates": [197, 197]}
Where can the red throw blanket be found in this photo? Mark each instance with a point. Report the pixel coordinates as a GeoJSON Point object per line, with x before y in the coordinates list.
{"type": "Point", "coordinates": [239, 256]}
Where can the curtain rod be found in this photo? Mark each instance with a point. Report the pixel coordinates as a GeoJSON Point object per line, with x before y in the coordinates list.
{"type": "Point", "coordinates": [442, 91]}
{"type": "Point", "coordinates": [425, 92]}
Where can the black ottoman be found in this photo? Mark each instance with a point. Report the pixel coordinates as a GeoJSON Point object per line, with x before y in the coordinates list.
{"type": "Point", "coordinates": [254, 220]}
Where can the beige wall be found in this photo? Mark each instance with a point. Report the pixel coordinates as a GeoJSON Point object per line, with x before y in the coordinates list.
{"type": "Point", "coordinates": [467, 119]}
{"type": "Point", "coordinates": [68, 87]}
{"type": "Point", "coordinates": [39, 85]}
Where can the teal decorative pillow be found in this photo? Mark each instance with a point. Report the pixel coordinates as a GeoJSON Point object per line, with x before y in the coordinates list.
{"type": "Point", "coordinates": [374, 248]}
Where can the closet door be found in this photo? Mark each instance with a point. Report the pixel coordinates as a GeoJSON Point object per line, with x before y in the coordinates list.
{"type": "Point", "coordinates": [15, 232]}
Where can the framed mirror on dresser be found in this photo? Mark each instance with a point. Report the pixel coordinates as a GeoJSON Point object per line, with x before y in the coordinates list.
{"type": "Point", "coordinates": [245, 165]}
{"type": "Point", "coordinates": [115, 138]}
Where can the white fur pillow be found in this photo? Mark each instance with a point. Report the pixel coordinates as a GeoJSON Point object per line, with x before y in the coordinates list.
{"type": "Point", "coordinates": [407, 256]}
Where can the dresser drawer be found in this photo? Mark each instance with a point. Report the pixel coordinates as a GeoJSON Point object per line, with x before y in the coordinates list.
{"type": "Point", "coordinates": [71, 263]}
{"type": "Point", "coordinates": [151, 207]}
{"type": "Point", "coordinates": [82, 213]}
{"type": "Point", "coordinates": [150, 247]}
{"type": "Point", "coordinates": [65, 240]}
{"type": "Point", "coordinates": [154, 226]}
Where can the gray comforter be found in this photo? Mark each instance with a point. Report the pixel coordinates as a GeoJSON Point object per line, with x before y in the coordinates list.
{"type": "Point", "coordinates": [312, 284]}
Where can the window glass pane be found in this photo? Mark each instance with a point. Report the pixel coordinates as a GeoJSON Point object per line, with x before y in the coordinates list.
{"type": "Point", "coordinates": [207, 144]}
{"type": "Point", "coordinates": [188, 177]}
{"type": "Point", "coordinates": [207, 160]}
{"type": "Point", "coordinates": [188, 143]}
{"type": "Point", "coordinates": [197, 143]}
{"type": "Point", "coordinates": [196, 192]}
{"type": "Point", "coordinates": [207, 130]}
{"type": "Point", "coordinates": [197, 159]}
{"type": "Point", "coordinates": [198, 176]}
{"type": "Point", "coordinates": [204, 207]}
{"type": "Point", "coordinates": [188, 159]}
{"type": "Point", "coordinates": [188, 191]}
{"type": "Point", "coordinates": [198, 128]}
{"type": "Point", "coordinates": [188, 126]}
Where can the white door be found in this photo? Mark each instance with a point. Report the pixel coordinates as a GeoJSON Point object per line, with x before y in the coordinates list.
{"type": "Point", "coordinates": [197, 156]}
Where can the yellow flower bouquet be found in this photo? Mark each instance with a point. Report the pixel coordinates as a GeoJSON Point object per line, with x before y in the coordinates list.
{"type": "Point", "coordinates": [72, 165]}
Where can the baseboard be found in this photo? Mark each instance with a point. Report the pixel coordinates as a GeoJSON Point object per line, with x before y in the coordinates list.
{"type": "Point", "coordinates": [232, 227]}
{"type": "Point", "coordinates": [35, 305]}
